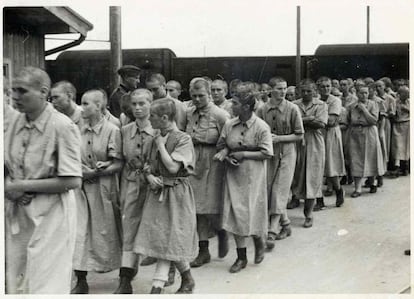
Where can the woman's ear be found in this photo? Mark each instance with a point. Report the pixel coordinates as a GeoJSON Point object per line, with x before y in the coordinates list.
{"type": "Point", "coordinates": [44, 91]}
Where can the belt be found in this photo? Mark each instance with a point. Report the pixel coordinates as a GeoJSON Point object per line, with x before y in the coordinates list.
{"type": "Point", "coordinates": [333, 126]}
{"type": "Point", "coordinates": [204, 144]}
{"type": "Point", "coordinates": [172, 181]}
{"type": "Point", "coordinates": [362, 126]}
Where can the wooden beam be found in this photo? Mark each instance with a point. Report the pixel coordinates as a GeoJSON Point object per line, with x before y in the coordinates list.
{"type": "Point", "coordinates": [115, 40]}
{"type": "Point", "coordinates": [298, 58]}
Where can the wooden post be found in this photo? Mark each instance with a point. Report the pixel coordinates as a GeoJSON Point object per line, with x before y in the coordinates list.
{"type": "Point", "coordinates": [368, 20]}
{"type": "Point", "coordinates": [298, 58]}
{"type": "Point", "coordinates": [116, 49]}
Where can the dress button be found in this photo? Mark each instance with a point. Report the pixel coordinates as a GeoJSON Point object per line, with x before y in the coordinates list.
{"type": "Point", "coordinates": [138, 145]}
{"type": "Point", "coordinates": [89, 156]}
{"type": "Point", "coordinates": [242, 133]}
{"type": "Point", "coordinates": [274, 118]}
{"type": "Point", "coordinates": [196, 122]}
{"type": "Point", "coordinates": [89, 142]}
{"type": "Point", "coordinates": [240, 143]}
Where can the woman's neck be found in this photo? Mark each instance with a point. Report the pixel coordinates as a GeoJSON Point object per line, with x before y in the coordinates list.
{"type": "Point", "coordinates": [93, 120]}
{"type": "Point", "coordinates": [167, 129]}
{"type": "Point", "coordinates": [245, 116]}
{"type": "Point", "coordinates": [142, 123]}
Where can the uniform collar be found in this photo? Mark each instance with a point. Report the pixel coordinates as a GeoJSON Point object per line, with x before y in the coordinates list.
{"type": "Point", "coordinates": [315, 101]}
{"type": "Point", "coordinates": [281, 107]}
{"type": "Point", "coordinates": [206, 109]}
{"type": "Point", "coordinates": [95, 129]}
{"type": "Point", "coordinates": [249, 122]}
{"type": "Point", "coordinates": [39, 123]}
{"type": "Point", "coordinates": [147, 129]}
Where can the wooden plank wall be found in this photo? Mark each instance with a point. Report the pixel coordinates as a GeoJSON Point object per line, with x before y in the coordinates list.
{"type": "Point", "coordinates": [24, 50]}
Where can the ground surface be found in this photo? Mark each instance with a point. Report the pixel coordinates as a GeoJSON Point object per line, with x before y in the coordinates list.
{"type": "Point", "coordinates": [354, 249]}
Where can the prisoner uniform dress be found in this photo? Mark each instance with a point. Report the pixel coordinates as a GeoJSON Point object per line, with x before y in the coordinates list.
{"type": "Point", "coordinates": [346, 101]}
{"type": "Point", "coordinates": [401, 131]}
{"type": "Point", "coordinates": [364, 145]}
{"type": "Point", "coordinates": [226, 105]}
{"type": "Point", "coordinates": [136, 145]}
{"type": "Point", "coordinates": [390, 106]}
{"type": "Point", "coordinates": [381, 128]}
{"type": "Point", "coordinates": [168, 226]}
{"type": "Point", "coordinates": [98, 241]}
{"type": "Point", "coordinates": [40, 236]}
{"type": "Point", "coordinates": [310, 164]}
{"type": "Point", "coordinates": [245, 196]}
{"type": "Point", "coordinates": [283, 119]}
{"type": "Point", "coordinates": [334, 156]}
{"type": "Point", "coordinates": [204, 126]}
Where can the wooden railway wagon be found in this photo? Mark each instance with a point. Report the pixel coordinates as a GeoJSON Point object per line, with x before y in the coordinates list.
{"type": "Point", "coordinates": [90, 68]}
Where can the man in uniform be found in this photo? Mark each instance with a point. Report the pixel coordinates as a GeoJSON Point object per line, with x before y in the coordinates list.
{"type": "Point", "coordinates": [63, 97]}
{"type": "Point", "coordinates": [156, 84]}
{"type": "Point", "coordinates": [129, 81]}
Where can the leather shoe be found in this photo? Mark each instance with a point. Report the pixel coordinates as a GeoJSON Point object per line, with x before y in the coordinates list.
{"type": "Point", "coordinates": [259, 249]}
{"type": "Point", "coordinates": [285, 232]}
{"type": "Point", "coordinates": [148, 261]}
{"type": "Point", "coordinates": [187, 283]}
{"type": "Point", "coordinates": [155, 290]}
{"type": "Point", "coordinates": [328, 192]}
{"type": "Point", "coordinates": [308, 223]}
{"type": "Point", "coordinates": [294, 203]}
{"type": "Point", "coordinates": [202, 258]}
{"type": "Point", "coordinates": [238, 265]}
{"type": "Point", "coordinates": [340, 194]}
{"type": "Point", "coordinates": [171, 275]}
{"type": "Point", "coordinates": [373, 189]}
{"type": "Point", "coordinates": [80, 288]}
{"type": "Point", "coordinates": [356, 194]}
{"type": "Point", "coordinates": [270, 242]}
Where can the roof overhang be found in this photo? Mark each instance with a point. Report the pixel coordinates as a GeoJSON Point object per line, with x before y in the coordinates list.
{"type": "Point", "coordinates": [45, 20]}
{"type": "Point", "coordinates": [362, 49]}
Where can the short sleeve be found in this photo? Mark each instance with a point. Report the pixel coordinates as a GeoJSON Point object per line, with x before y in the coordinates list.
{"type": "Point", "coordinates": [265, 142]}
{"type": "Point", "coordinates": [297, 123]}
{"type": "Point", "coordinates": [69, 150]}
{"type": "Point", "coordinates": [222, 118]}
{"type": "Point", "coordinates": [184, 152]}
{"type": "Point", "coordinates": [335, 107]}
{"type": "Point", "coordinates": [115, 144]}
{"type": "Point", "coordinates": [322, 113]}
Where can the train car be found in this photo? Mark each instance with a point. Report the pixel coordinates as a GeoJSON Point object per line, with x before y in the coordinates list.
{"type": "Point", "coordinates": [88, 69]}
{"type": "Point", "coordinates": [360, 60]}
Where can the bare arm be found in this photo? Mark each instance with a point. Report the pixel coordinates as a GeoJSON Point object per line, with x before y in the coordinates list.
{"type": "Point", "coordinates": [49, 185]}
{"type": "Point", "coordinates": [286, 138]}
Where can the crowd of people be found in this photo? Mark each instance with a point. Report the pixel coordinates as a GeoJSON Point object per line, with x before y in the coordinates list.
{"type": "Point", "coordinates": [147, 175]}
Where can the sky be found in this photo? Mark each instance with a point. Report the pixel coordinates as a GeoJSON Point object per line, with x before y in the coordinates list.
{"type": "Point", "coordinates": [242, 28]}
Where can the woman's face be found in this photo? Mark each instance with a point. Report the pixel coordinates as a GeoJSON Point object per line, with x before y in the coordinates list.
{"type": "Point", "coordinates": [236, 106]}
{"type": "Point", "coordinates": [140, 106]}
{"type": "Point", "coordinates": [200, 97]}
{"type": "Point", "coordinates": [363, 93]}
{"type": "Point", "coordinates": [89, 106]}
{"type": "Point", "coordinates": [155, 119]}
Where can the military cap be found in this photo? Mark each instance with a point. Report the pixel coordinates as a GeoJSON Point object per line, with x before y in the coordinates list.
{"type": "Point", "coordinates": [129, 70]}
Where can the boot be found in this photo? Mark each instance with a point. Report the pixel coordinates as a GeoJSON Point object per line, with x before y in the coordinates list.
{"type": "Point", "coordinates": [270, 242]}
{"type": "Point", "coordinates": [307, 211]}
{"type": "Point", "coordinates": [404, 167]}
{"type": "Point", "coordinates": [223, 243]}
{"type": "Point", "coordinates": [171, 275]}
{"type": "Point", "coordinates": [203, 256]}
{"type": "Point", "coordinates": [380, 181]}
{"type": "Point", "coordinates": [259, 249]}
{"type": "Point", "coordinates": [285, 232]}
{"type": "Point", "coordinates": [241, 261]}
{"type": "Point", "coordinates": [294, 203]}
{"type": "Point", "coordinates": [81, 285]}
{"type": "Point", "coordinates": [155, 290]}
{"type": "Point", "coordinates": [148, 261]}
{"type": "Point", "coordinates": [343, 180]}
{"type": "Point", "coordinates": [125, 275]}
{"type": "Point", "coordinates": [340, 194]}
{"type": "Point", "coordinates": [320, 204]}
{"type": "Point", "coordinates": [187, 283]}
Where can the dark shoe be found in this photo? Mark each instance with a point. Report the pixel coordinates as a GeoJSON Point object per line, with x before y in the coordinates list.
{"type": "Point", "coordinates": [404, 172]}
{"type": "Point", "coordinates": [238, 265]}
{"type": "Point", "coordinates": [202, 258]}
{"type": "Point", "coordinates": [171, 275]}
{"type": "Point", "coordinates": [270, 242]}
{"type": "Point", "coordinates": [367, 184]}
{"type": "Point", "coordinates": [343, 180]}
{"type": "Point", "coordinates": [81, 287]}
{"type": "Point", "coordinates": [187, 283]}
{"type": "Point", "coordinates": [407, 252]}
{"type": "Point", "coordinates": [124, 287]}
{"type": "Point", "coordinates": [148, 261]}
{"type": "Point", "coordinates": [223, 243]}
{"type": "Point", "coordinates": [320, 205]}
{"type": "Point", "coordinates": [294, 203]}
{"type": "Point", "coordinates": [340, 194]}
{"type": "Point", "coordinates": [350, 181]}
{"type": "Point", "coordinates": [308, 223]}
{"type": "Point", "coordinates": [373, 189]}
{"type": "Point", "coordinates": [356, 194]}
{"type": "Point", "coordinates": [328, 192]}
{"type": "Point", "coordinates": [285, 232]}
{"type": "Point", "coordinates": [259, 249]}
{"type": "Point", "coordinates": [155, 290]}
{"type": "Point", "coordinates": [380, 181]}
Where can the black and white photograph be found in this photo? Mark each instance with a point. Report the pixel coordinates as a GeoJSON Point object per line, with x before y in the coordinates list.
{"type": "Point", "coordinates": [225, 148]}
